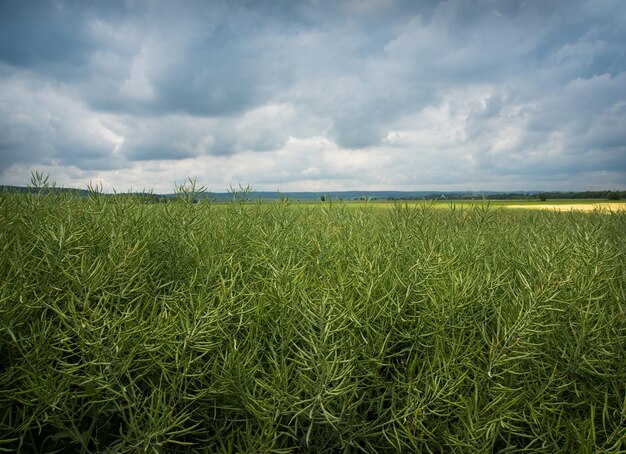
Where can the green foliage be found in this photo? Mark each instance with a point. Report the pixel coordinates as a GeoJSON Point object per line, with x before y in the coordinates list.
{"type": "Point", "coordinates": [129, 326]}
{"type": "Point", "coordinates": [569, 195]}
{"type": "Point", "coordinates": [613, 195]}
{"type": "Point", "coordinates": [39, 180]}
{"type": "Point", "coordinates": [189, 191]}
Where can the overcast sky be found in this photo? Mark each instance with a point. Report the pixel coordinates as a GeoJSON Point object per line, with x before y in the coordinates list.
{"type": "Point", "coordinates": [315, 95]}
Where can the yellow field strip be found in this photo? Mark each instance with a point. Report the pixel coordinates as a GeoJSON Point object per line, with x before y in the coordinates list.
{"type": "Point", "coordinates": [609, 206]}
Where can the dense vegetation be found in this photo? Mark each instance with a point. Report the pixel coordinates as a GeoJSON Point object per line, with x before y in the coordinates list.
{"type": "Point", "coordinates": [127, 326]}
{"type": "Point", "coordinates": [609, 195]}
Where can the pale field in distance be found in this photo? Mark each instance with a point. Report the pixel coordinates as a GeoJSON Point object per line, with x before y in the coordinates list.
{"type": "Point", "coordinates": [609, 206]}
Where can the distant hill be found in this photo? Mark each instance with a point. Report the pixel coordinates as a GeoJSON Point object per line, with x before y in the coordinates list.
{"type": "Point", "coordinates": [4, 188]}
{"type": "Point", "coordinates": [80, 192]}
{"type": "Point", "coordinates": [361, 195]}
{"type": "Point", "coordinates": [350, 195]}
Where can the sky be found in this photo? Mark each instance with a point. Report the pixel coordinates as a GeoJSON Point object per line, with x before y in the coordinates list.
{"type": "Point", "coordinates": [315, 95]}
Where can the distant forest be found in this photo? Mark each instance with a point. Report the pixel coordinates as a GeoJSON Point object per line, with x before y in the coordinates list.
{"type": "Point", "coordinates": [610, 195]}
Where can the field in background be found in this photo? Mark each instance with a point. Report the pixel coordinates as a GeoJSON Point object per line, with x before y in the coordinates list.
{"type": "Point", "coordinates": [128, 326]}
{"type": "Point", "coordinates": [580, 206]}
{"type": "Point", "coordinates": [558, 205]}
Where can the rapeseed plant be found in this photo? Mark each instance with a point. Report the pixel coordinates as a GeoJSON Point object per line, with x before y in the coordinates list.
{"type": "Point", "coordinates": [191, 326]}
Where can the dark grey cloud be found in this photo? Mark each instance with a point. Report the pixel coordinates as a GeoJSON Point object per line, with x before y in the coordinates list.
{"type": "Point", "coordinates": [52, 37]}
{"type": "Point", "coordinates": [406, 93]}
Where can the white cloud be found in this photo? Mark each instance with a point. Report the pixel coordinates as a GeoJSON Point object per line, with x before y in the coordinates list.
{"type": "Point", "coordinates": [42, 123]}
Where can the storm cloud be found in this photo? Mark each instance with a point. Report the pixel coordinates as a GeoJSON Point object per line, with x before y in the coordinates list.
{"type": "Point", "coordinates": [315, 95]}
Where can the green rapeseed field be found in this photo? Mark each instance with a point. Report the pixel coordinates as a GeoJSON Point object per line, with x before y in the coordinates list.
{"type": "Point", "coordinates": [129, 326]}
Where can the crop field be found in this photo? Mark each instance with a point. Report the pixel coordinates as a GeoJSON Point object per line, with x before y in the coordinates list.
{"type": "Point", "coordinates": [127, 326]}
{"type": "Point", "coordinates": [553, 205]}
{"type": "Point", "coordinates": [580, 206]}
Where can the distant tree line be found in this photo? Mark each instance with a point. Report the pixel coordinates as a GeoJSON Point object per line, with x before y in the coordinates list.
{"type": "Point", "coordinates": [146, 197]}
{"type": "Point", "coordinates": [197, 196]}
{"type": "Point", "coordinates": [610, 195]}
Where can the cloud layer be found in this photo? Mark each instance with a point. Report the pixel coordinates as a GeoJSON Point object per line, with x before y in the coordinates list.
{"type": "Point", "coordinates": [375, 94]}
